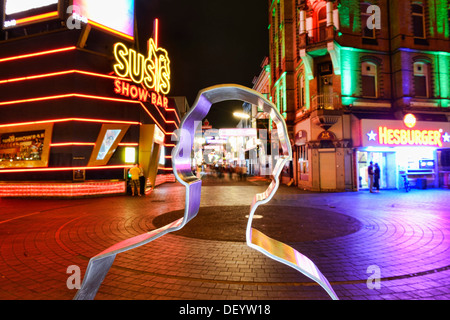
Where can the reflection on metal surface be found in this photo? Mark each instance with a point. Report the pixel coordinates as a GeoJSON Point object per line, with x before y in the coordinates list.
{"type": "Point", "coordinates": [181, 161]}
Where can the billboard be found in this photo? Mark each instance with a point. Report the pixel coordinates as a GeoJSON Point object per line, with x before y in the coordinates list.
{"type": "Point", "coordinates": [25, 146]}
{"type": "Point", "coordinates": [114, 16]}
{"type": "Point", "coordinates": [18, 13]}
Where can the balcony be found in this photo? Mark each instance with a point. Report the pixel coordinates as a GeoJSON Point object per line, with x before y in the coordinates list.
{"type": "Point", "coordinates": [326, 109]}
{"type": "Point", "coordinates": [326, 102]}
{"type": "Point", "coordinates": [317, 36]}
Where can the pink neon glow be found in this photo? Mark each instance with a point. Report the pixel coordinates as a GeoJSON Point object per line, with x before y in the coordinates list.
{"type": "Point", "coordinates": [62, 169]}
{"type": "Point", "coordinates": [61, 189]}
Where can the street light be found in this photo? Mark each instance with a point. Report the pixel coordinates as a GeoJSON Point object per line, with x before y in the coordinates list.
{"type": "Point", "coordinates": [241, 115]}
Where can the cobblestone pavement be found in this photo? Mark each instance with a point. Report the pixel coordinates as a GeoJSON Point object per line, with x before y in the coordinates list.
{"type": "Point", "coordinates": [350, 236]}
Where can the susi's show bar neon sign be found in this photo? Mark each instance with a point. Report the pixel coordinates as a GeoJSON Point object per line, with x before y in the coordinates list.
{"type": "Point", "coordinates": [410, 132]}
{"type": "Point", "coordinates": [147, 73]}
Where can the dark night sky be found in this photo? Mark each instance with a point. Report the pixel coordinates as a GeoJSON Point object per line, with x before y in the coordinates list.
{"type": "Point", "coordinates": [209, 42]}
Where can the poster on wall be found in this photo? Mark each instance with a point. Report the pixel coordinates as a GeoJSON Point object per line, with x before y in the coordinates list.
{"type": "Point", "coordinates": [17, 13]}
{"type": "Point", "coordinates": [24, 147]}
{"type": "Point", "coordinates": [115, 16]}
{"type": "Point", "coordinates": [107, 141]}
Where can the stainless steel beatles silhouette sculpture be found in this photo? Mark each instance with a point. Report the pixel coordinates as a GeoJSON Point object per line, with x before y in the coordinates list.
{"type": "Point", "coordinates": [100, 264]}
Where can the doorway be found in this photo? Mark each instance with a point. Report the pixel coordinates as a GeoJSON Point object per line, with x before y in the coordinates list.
{"type": "Point", "coordinates": [327, 164]}
{"type": "Point", "coordinates": [387, 163]}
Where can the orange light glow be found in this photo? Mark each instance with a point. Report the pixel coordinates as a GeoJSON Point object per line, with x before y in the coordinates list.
{"type": "Point", "coordinates": [156, 31]}
{"type": "Point", "coordinates": [98, 25]}
{"type": "Point", "coordinates": [67, 119]}
{"type": "Point", "coordinates": [128, 144]}
{"type": "Point", "coordinates": [68, 95]}
{"type": "Point", "coordinates": [61, 73]}
{"type": "Point", "coordinates": [410, 120]}
{"type": "Point", "coordinates": [38, 17]}
{"type": "Point", "coordinates": [77, 95]}
{"type": "Point", "coordinates": [65, 144]}
{"type": "Point", "coordinates": [36, 54]}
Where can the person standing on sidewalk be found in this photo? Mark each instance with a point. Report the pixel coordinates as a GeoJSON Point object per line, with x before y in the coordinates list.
{"type": "Point", "coordinates": [370, 172]}
{"type": "Point", "coordinates": [135, 186]}
{"type": "Point", "coordinates": [376, 177]}
{"type": "Point", "coordinates": [142, 183]}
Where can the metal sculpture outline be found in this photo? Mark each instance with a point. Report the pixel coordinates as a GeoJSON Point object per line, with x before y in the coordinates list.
{"type": "Point", "coordinates": [100, 264]}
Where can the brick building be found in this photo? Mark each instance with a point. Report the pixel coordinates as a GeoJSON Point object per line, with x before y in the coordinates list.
{"type": "Point", "coordinates": [343, 71]}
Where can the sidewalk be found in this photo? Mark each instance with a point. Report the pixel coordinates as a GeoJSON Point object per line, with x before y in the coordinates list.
{"type": "Point", "coordinates": [348, 235]}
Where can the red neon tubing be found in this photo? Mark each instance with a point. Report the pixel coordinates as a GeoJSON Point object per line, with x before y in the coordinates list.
{"type": "Point", "coordinates": [78, 95]}
{"type": "Point", "coordinates": [63, 169]}
{"type": "Point", "coordinates": [66, 120]}
{"type": "Point", "coordinates": [36, 54]}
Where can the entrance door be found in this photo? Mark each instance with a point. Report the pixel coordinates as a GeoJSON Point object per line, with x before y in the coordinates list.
{"type": "Point", "coordinates": [327, 164]}
{"type": "Point", "coordinates": [390, 171]}
{"type": "Point", "coordinates": [388, 167]}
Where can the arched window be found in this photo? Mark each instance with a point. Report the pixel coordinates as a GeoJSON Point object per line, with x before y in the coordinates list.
{"type": "Point", "coordinates": [369, 80]}
{"type": "Point", "coordinates": [421, 79]}
{"type": "Point", "coordinates": [322, 23]}
{"type": "Point", "coordinates": [301, 91]}
{"type": "Point", "coordinates": [418, 20]}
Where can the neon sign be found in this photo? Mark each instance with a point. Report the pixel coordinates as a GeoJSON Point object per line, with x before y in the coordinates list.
{"type": "Point", "coordinates": [408, 132]}
{"type": "Point", "coordinates": [153, 71]}
{"type": "Point", "coordinates": [410, 120]}
{"type": "Point", "coordinates": [18, 13]}
{"type": "Point", "coordinates": [409, 137]}
{"type": "Point", "coordinates": [116, 17]}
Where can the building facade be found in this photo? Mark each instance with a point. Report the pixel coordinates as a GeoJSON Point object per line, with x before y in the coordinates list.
{"type": "Point", "coordinates": [346, 73]}
{"type": "Point", "coordinates": [75, 114]}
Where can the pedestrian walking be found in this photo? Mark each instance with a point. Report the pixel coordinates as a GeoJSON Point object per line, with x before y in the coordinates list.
{"type": "Point", "coordinates": [376, 177]}
{"type": "Point", "coordinates": [370, 173]}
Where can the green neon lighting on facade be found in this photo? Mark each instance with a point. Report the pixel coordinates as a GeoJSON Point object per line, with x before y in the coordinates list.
{"type": "Point", "coordinates": [280, 91]}
{"type": "Point", "coordinates": [437, 10]}
{"type": "Point", "coordinates": [349, 70]}
{"type": "Point", "coordinates": [443, 65]}
{"type": "Point", "coordinates": [350, 15]}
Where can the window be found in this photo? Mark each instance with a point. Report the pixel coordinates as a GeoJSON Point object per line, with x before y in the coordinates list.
{"type": "Point", "coordinates": [369, 79]}
{"type": "Point", "coordinates": [418, 20]}
{"type": "Point", "coordinates": [421, 82]}
{"type": "Point", "coordinates": [322, 23]}
{"type": "Point", "coordinates": [301, 91]}
{"type": "Point", "coordinates": [366, 31]}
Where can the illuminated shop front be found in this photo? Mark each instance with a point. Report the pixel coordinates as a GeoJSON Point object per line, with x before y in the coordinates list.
{"type": "Point", "coordinates": [80, 102]}
{"type": "Point", "coordinates": [410, 147]}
